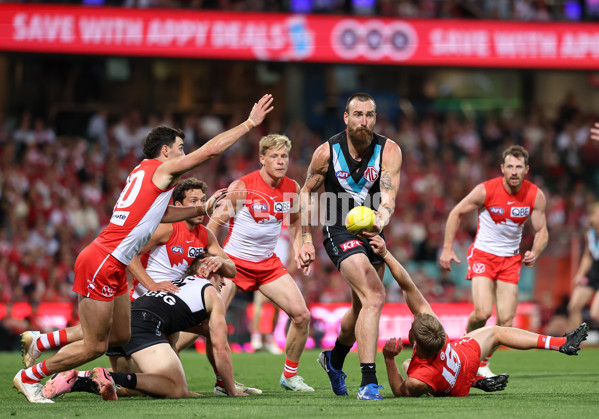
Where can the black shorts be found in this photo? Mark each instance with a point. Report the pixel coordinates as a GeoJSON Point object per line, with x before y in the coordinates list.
{"type": "Point", "coordinates": [593, 282]}
{"type": "Point", "coordinates": [147, 330]}
{"type": "Point", "coordinates": [340, 243]}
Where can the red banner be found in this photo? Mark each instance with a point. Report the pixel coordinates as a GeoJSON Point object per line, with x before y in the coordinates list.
{"type": "Point", "coordinates": [286, 37]}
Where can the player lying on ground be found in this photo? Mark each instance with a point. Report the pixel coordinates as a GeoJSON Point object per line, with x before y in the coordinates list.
{"type": "Point", "coordinates": [148, 364]}
{"type": "Point", "coordinates": [445, 368]}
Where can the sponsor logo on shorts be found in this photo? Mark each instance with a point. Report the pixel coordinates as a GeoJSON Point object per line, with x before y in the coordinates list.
{"type": "Point", "coordinates": [178, 250]}
{"type": "Point", "coordinates": [371, 174]}
{"type": "Point", "coordinates": [520, 212]}
{"type": "Point", "coordinates": [350, 245]}
{"type": "Point", "coordinates": [107, 291]}
{"type": "Point", "coordinates": [342, 174]}
{"type": "Point", "coordinates": [194, 252]}
{"type": "Point", "coordinates": [282, 206]}
{"type": "Point", "coordinates": [478, 268]}
{"type": "Point", "coordinates": [496, 210]}
{"type": "Point", "coordinates": [119, 217]}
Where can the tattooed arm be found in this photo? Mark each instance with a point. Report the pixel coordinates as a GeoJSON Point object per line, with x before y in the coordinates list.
{"type": "Point", "coordinates": [389, 183]}
{"type": "Point", "coordinates": [314, 180]}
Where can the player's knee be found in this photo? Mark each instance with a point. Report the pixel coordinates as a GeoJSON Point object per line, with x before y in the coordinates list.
{"type": "Point", "coordinates": [178, 392]}
{"type": "Point", "coordinates": [374, 300]}
{"type": "Point", "coordinates": [301, 318]}
{"type": "Point", "coordinates": [482, 315]}
{"type": "Point", "coordinates": [95, 349]}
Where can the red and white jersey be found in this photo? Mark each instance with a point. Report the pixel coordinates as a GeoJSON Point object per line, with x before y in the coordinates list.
{"type": "Point", "coordinates": [168, 261]}
{"type": "Point", "coordinates": [255, 228]}
{"type": "Point", "coordinates": [502, 219]}
{"type": "Point", "coordinates": [451, 371]}
{"type": "Point", "coordinates": [136, 214]}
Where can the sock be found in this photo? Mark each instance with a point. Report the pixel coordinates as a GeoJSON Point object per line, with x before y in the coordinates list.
{"type": "Point", "coordinates": [83, 373]}
{"type": "Point", "coordinates": [35, 374]}
{"type": "Point", "coordinates": [85, 385]}
{"type": "Point", "coordinates": [368, 374]}
{"type": "Point", "coordinates": [290, 368]}
{"type": "Point", "coordinates": [550, 342]}
{"type": "Point", "coordinates": [124, 379]}
{"type": "Point", "coordinates": [338, 354]}
{"type": "Point", "coordinates": [52, 340]}
{"type": "Point", "coordinates": [485, 361]}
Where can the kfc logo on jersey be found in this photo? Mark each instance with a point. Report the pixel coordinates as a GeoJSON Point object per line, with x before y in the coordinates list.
{"type": "Point", "coordinates": [119, 217]}
{"type": "Point", "coordinates": [282, 206]}
{"type": "Point", "coordinates": [496, 210]}
{"type": "Point", "coordinates": [342, 174]}
{"type": "Point", "coordinates": [194, 252]}
{"type": "Point", "coordinates": [371, 174]}
{"type": "Point", "coordinates": [350, 245]}
{"type": "Point", "coordinates": [178, 250]}
{"type": "Point", "coordinates": [107, 291]}
{"type": "Point", "coordinates": [517, 212]}
{"type": "Point", "coordinates": [479, 268]}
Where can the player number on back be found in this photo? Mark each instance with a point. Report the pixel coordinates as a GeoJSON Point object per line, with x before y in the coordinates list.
{"type": "Point", "coordinates": [131, 191]}
{"type": "Point", "coordinates": [452, 365]}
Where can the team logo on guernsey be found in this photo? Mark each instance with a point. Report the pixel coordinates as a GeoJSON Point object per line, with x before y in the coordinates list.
{"type": "Point", "coordinates": [342, 174]}
{"type": "Point", "coordinates": [478, 268]}
{"type": "Point", "coordinates": [178, 250]}
{"type": "Point", "coordinates": [520, 211]}
{"type": "Point", "coordinates": [371, 174]}
{"type": "Point", "coordinates": [496, 210]}
{"type": "Point", "coordinates": [350, 245]}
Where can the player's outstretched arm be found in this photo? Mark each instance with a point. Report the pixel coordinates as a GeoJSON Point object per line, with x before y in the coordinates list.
{"type": "Point", "coordinates": [317, 172]}
{"type": "Point", "coordinates": [177, 213]}
{"type": "Point", "coordinates": [218, 336]}
{"type": "Point", "coordinates": [160, 236]}
{"type": "Point", "coordinates": [539, 223]}
{"type": "Point", "coordinates": [167, 173]}
{"type": "Point", "coordinates": [414, 298]}
{"type": "Point", "coordinates": [474, 200]}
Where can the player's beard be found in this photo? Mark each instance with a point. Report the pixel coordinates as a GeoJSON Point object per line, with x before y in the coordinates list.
{"type": "Point", "coordinates": [360, 137]}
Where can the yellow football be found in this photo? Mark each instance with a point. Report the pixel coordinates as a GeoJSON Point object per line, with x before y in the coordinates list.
{"type": "Point", "coordinates": [360, 219]}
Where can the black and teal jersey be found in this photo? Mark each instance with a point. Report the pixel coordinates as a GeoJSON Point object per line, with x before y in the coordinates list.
{"type": "Point", "coordinates": [350, 183]}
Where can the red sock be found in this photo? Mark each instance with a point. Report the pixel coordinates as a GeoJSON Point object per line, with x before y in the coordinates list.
{"type": "Point", "coordinates": [290, 368]}
{"type": "Point", "coordinates": [485, 361]}
{"type": "Point", "coordinates": [35, 374]}
{"type": "Point", "coordinates": [52, 340]}
{"type": "Point", "coordinates": [83, 373]}
{"type": "Point", "coordinates": [550, 342]}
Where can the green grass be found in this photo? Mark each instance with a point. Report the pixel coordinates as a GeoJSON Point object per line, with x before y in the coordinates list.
{"type": "Point", "coordinates": [542, 384]}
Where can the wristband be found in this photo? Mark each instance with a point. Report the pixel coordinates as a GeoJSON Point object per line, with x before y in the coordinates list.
{"type": "Point", "coordinates": [306, 238]}
{"type": "Point", "coordinates": [383, 256]}
{"type": "Point", "coordinates": [252, 122]}
{"type": "Point", "coordinates": [246, 126]}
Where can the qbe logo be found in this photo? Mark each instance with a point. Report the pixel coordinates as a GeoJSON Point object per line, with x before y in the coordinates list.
{"type": "Point", "coordinates": [518, 212]}
{"type": "Point", "coordinates": [194, 252]}
{"type": "Point", "coordinates": [282, 206]}
{"type": "Point", "coordinates": [374, 39]}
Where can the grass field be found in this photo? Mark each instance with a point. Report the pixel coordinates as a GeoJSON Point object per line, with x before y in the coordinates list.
{"type": "Point", "coordinates": [543, 384]}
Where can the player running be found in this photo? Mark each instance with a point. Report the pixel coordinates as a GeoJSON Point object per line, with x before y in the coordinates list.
{"type": "Point", "coordinates": [444, 368]}
{"type": "Point", "coordinates": [255, 207]}
{"type": "Point", "coordinates": [504, 204]}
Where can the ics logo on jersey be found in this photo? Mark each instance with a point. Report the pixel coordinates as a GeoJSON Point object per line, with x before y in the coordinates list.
{"type": "Point", "coordinates": [260, 207]}
{"type": "Point", "coordinates": [496, 210]}
{"type": "Point", "coordinates": [178, 250]}
{"type": "Point", "coordinates": [194, 252]}
{"type": "Point", "coordinates": [342, 174]}
{"type": "Point", "coordinates": [520, 211]}
{"type": "Point", "coordinates": [350, 245]}
{"type": "Point", "coordinates": [282, 206]}
{"type": "Point", "coordinates": [371, 174]}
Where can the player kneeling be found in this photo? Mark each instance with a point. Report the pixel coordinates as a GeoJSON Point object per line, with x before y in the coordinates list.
{"type": "Point", "coordinates": [148, 364]}
{"type": "Point", "coordinates": [443, 368]}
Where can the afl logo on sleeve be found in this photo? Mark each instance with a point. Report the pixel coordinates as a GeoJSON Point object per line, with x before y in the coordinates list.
{"type": "Point", "coordinates": [519, 212]}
